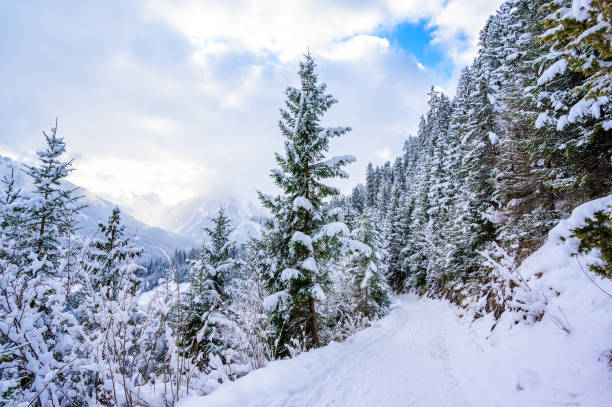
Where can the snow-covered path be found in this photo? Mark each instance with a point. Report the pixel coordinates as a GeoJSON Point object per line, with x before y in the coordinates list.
{"type": "Point", "coordinates": [422, 354]}
{"type": "Point", "coordinates": [403, 360]}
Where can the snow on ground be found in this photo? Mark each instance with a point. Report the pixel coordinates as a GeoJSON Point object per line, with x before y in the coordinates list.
{"type": "Point", "coordinates": [424, 354]}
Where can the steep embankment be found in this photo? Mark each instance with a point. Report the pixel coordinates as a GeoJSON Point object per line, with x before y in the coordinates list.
{"type": "Point", "coordinates": [424, 354]}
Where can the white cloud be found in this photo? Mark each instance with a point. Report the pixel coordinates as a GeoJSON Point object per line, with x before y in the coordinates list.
{"type": "Point", "coordinates": [143, 186]}
{"type": "Point", "coordinates": [173, 180]}
{"type": "Point", "coordinates": [286, 28]}
{"type": "Point", "coordinates": [183, 96]}
{"type": "Point", "coordinates": [338, 31]}
{"type": "Point", "coordinates": [155, 124]}
{"type": "Point", "coordinates": [358, 48]}
{"type": "Point", "coordinates": [384, 155]}
{"type": "Point", "coordinates": [458, 24]}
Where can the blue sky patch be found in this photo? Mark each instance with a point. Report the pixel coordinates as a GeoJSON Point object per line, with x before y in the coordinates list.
{"type": "Point", "coordinates": [415, 39]}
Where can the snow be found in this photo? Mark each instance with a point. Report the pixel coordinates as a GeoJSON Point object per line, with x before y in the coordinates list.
{"type": "Point", "coordinates": [541, 120]}
{"type": "Point", "coordinates": [341, 159]}
{"type": "Point", "coordinates": [310, 264]}
{"type": "Point", "coordinates": [317, 292]}
{"type": "Point", "coordinates": [422, 354]}
{"type": "Point", "coordinates": [576, 220]}
{"type": "Point", "coordinates": [148, 298]}
{"type": "Point", "coordinates": [333, 229]}
{"type": "Point", "coordinates": [426, 352]}
{"type": "Point", "coordinates": [552, 71]}
{"type": "Point", "coordinates": [271, 301]}
{"type": "Point", "coordinates": [356, 246]}
{"type": "Point", "coordinates": [368, 276]}
{"type": "Point", "coordinates": [493, 138]}
{"type": "Point", "coordinates": [302, 238]}
{"type": "Point", "coordinates": [587, 107]}
{"type": "Point", "coordinates": [512, 56]}
{"type": "Point", "coordinates": [289, 274]}
{"type": "Point", "coordinates": [302, 203]}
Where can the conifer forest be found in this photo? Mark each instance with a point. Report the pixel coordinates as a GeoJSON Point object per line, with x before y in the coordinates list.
{"type": "Point", "coordinates": [472, 269]}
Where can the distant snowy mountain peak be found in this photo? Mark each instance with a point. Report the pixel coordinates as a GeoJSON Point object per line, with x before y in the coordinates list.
{"type": "Point", "coordinates": [98, 209]}
{"type": "Point", "coordinates": [189, 218]}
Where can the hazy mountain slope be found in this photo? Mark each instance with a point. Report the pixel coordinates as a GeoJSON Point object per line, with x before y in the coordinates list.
{"type": "Point", "coordinates": [98, 210]}
{"type": "Point", "coordinates": [189, 218]}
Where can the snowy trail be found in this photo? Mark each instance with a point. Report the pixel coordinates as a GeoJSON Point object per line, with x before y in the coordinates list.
{"type": "Point", "coordinates": [421, 354]}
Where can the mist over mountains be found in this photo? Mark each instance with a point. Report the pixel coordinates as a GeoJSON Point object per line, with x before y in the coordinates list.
{"type": "Point", "coordinates": [183, 223]}
{"type": "Point", "coordinates": [189, 218]}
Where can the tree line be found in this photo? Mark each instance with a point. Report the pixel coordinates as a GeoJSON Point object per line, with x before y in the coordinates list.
{"type": "Point", "coordinates": [525, 138]}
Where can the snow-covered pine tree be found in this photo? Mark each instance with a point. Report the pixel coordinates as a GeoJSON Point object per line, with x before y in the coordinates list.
{"type": "Point", "coordinates": [246, 336]}
{"type": "Point", "coordinates": [52, 207]}
{"type": "Point", "coordinates": [371, 188]}
{"type": "Point", "coordinates": [571, 98]}
{"type": "Point", "coordinates": [441, 191]}
{"type": "Point", "coordinates": [12, 215]}
{"type": "Point", "coordinates": [358, 198]}
{"type": "Point", "coordinates": [368, 269]}
{"type": "Point", "coordinates": [302, 237]}
{"type": "Point", "coordinates": [478, 149]}
{"type": "Point", "coordinates": [385, 183]}
{"type": "Point", "coordinates": [35, 319]}
{"type": "Point", "coordinates": [396, 242]}
{"type": "Point", "coordinates": [425, 201]}
{"type": "Point", "coordinates": [526, 205]}
{"type": "Point", "coordinates": [109, 250]}
{"type": "Point", "coordinates": [455, 230]}
{"type": "Point", "coordinates": [415, 263]}
{"type": "Point", "coordinates": [112, 323]}
{"type": "Point", "coordinates": [398, 228]}
{"type": "Point", "coordinates": [208, 295]}
{"type": "Point", "coordinates": [581, 31]}
{"type": "Point", "coordinates": [220, 252]}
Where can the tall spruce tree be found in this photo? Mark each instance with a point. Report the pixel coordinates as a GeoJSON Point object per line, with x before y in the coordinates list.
{"type": "Point", "coordinates": [575, 89]}
{"type": "Point", "coordinates": [526, 204]}
{"type": "Point", "coordinates": [302, 237]}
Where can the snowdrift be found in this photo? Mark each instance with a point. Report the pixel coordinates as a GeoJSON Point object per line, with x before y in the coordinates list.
{"type": "Point", "coordinates": [424, 354]}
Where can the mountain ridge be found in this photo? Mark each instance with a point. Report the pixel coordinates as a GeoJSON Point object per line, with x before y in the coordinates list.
{"type": "Point", "coordinates": [189, 218]}
{"type": "Point", "coordinates": [98, 209]}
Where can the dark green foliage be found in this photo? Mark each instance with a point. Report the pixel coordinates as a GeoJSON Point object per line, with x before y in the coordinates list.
{"type": "Point", "coordinates": [208, 295]}
{"type": "Point", "coordinates": [517, 148]}
{"type": "Point", "coordinates": [296, 242]}
{"type": "Point", "coordinates": [52, 208]}
{"type": "Point", "coordinates": [597, 234]}
{"type": "Point", "coordinates": [112, 248]}
{"type": "Point", "coordinates": [368, 271]}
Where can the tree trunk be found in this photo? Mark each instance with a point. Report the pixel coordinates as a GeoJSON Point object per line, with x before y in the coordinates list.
{"type": "Point", "coordinates": [366, 301]}
{"type": "Point", "coordinates": [313, 321]}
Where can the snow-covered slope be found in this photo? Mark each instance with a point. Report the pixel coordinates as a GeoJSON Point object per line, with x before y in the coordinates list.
{"type": "Point", "coordinates": [188, 218]}
{"type": "Point", "coordinates": [424, 354]}
{"type": "Point", "coordinates": [99, 209]}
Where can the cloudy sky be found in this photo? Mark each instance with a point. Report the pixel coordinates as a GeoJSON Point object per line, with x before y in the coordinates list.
{"type": "Point", "coordinates": [162, 100]}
